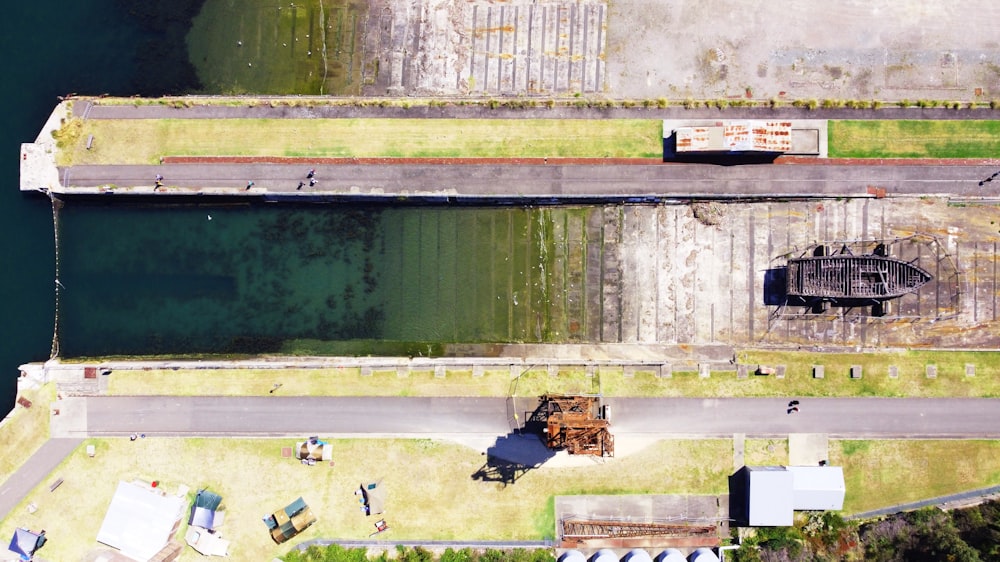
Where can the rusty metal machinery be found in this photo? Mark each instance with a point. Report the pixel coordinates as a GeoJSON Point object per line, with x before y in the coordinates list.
{"type": "Point", "coordinates": [576, 424]}
{"type": "Point", "coordinates": [583, 529]}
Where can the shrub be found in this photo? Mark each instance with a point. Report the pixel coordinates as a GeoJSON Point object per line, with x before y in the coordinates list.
{"type": "Point", "coordinates": [662, 103]}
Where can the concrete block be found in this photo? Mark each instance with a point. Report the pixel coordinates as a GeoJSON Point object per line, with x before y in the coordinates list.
{"type": "Point", "coordinates": [970, 370]}
{"type": "Point", "coordinates": [628, 371]}
{"type": "Point", "coordinates": [366, 371]}
{"type": "Point", "coordinates": [478, 370]}
{"type": "Point", "coordinates": [439, 371]}
{"type": "Point", "coordinates": [855, 371]}
{"type": "Point", "coordinates": [704, 370]}
{"type": "Point", "coordinates": [742, 371]}
{"type": "Point", "coordinates": [893, 372]}
{"type": "Point", "coordinates": [932, 371]}
{"type": "Point", "coordinates": [590, 370]}
{"type": "Point", "coordinates": [403, 371]}
{"type": "Point", "coordinates": [818, 371]}
{"type": "Point", "coordinates": [666, 371]}
{"type": "Point", "coordinates": [780, 372]}
{"type": "Point", "coordinates": [552, 370]}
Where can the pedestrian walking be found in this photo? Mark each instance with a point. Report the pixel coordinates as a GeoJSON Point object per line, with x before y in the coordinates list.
{"type": "Point", "coordinates": [313, 181]}
{"type": "Point", "coordinates": [249, 184]}
{"type": "Point", "coordinates": [159, 177]}
{"type": "Point", "coordinates": [301, 183]}
{"type": "Point", "coordinates": [793, 403]}
{"type": "Point", "coordinates": [312, 172]}
{"type": "Point", "coordinates": [133, 437]}
{"type": "Point", "coordinates": [793, 409]}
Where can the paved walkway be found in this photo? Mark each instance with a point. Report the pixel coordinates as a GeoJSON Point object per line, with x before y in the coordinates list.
{"type": "Point", "coordinates": [273, 416]}
{"type": "Point", "coordinates": [956, 500]}
{"type": "Point", "coordinates": [592, 182]}
{"type": "Point", "coordinates": [34, 471]}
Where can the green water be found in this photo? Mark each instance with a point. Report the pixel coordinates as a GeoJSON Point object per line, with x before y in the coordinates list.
{"type": "Point", "coordinates": [328, 279]}
{"type": "Point", "coordinates": [50, 50]}
{"type": "Point", "coordinates": [265, 278]}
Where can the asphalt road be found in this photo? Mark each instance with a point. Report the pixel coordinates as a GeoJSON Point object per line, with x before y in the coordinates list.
{"type": "Point", "coordinates": [553, 180]}
{"type": "Point", "coordinates": [442, 417]}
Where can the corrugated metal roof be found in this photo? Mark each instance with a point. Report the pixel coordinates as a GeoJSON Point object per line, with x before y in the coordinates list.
{"type": "Point", "coordinates": [736, 136]}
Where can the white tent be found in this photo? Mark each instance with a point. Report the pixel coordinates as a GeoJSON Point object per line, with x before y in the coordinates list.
{"type": "Point", "coordinates": [140, 520]}
{"type": "Point", "coordinates": [207, 543]}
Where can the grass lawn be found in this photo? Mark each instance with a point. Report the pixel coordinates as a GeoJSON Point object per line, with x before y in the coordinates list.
{"type": "Point", "coordinates": [430, 488]}
{"type": "Point", "coordinates": [25, 430]}
{"type": "Point", "coordinates": [912, 381]}
{"type": "Point", "coordinates": [914, 139]}
{"type": "Point", "coordinates": [886, 473]}
{"type": "Point", "coordinates": [144, 141]}
{"type": "Point", "coordinates": [765, 452]}
{"type": "Point", "coordinates": [338, 382]}
{"type": "Point", "coordinates": [950, 382]}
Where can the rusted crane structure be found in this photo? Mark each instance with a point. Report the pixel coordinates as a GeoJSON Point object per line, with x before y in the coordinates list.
{"type": "Point", "coordinates": [578, 425]}
{"type": "Point", "coordinates": [608, 533]}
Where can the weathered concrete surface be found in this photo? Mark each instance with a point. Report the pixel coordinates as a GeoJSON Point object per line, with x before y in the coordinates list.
{"type": "Point", "coordinates": [857, 49]}
{"type": "Point", "coordinates": [686, 280]}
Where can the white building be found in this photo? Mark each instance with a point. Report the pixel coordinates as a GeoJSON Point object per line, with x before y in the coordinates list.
{"type": "Point", "coordinates": [768, 495]}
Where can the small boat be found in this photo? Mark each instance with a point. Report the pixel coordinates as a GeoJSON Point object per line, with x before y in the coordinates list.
{"type": "Point", "coordinates": [846, 276]}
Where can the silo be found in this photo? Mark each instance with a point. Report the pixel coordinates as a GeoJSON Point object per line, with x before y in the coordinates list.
{"type": "Point", "coordinates": [703, 555]}
{"type": "Point", "coordinates": [604, 555]}
{"type": "Point", "coordinates": [572, 556]}
{"type": "Point", "coordinates": [637, 555]}
{"type": "Point", "coordinates": [670, 555]}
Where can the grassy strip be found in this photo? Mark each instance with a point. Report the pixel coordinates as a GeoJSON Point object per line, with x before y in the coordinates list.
{"type": "Point", "coordinates": [429, 486]}
{"type": "Point", "coordinates": [142, 141]}
{"type": "Point", "coordinates": [25, 430]}
{"type": "Point", "coordinates": [914, 139]}
{"type": "Point", "coordinates": [765, 452]}
{"type": "Point", "coordinates": [885, 473]}
{"type": "Point", "coordinates": [912, 381]}
{"type": "Point", "coordinates": [951, 380]}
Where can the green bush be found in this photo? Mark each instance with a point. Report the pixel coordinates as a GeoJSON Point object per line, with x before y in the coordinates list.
{"type": "Point", "coordinates": [416, 554]}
